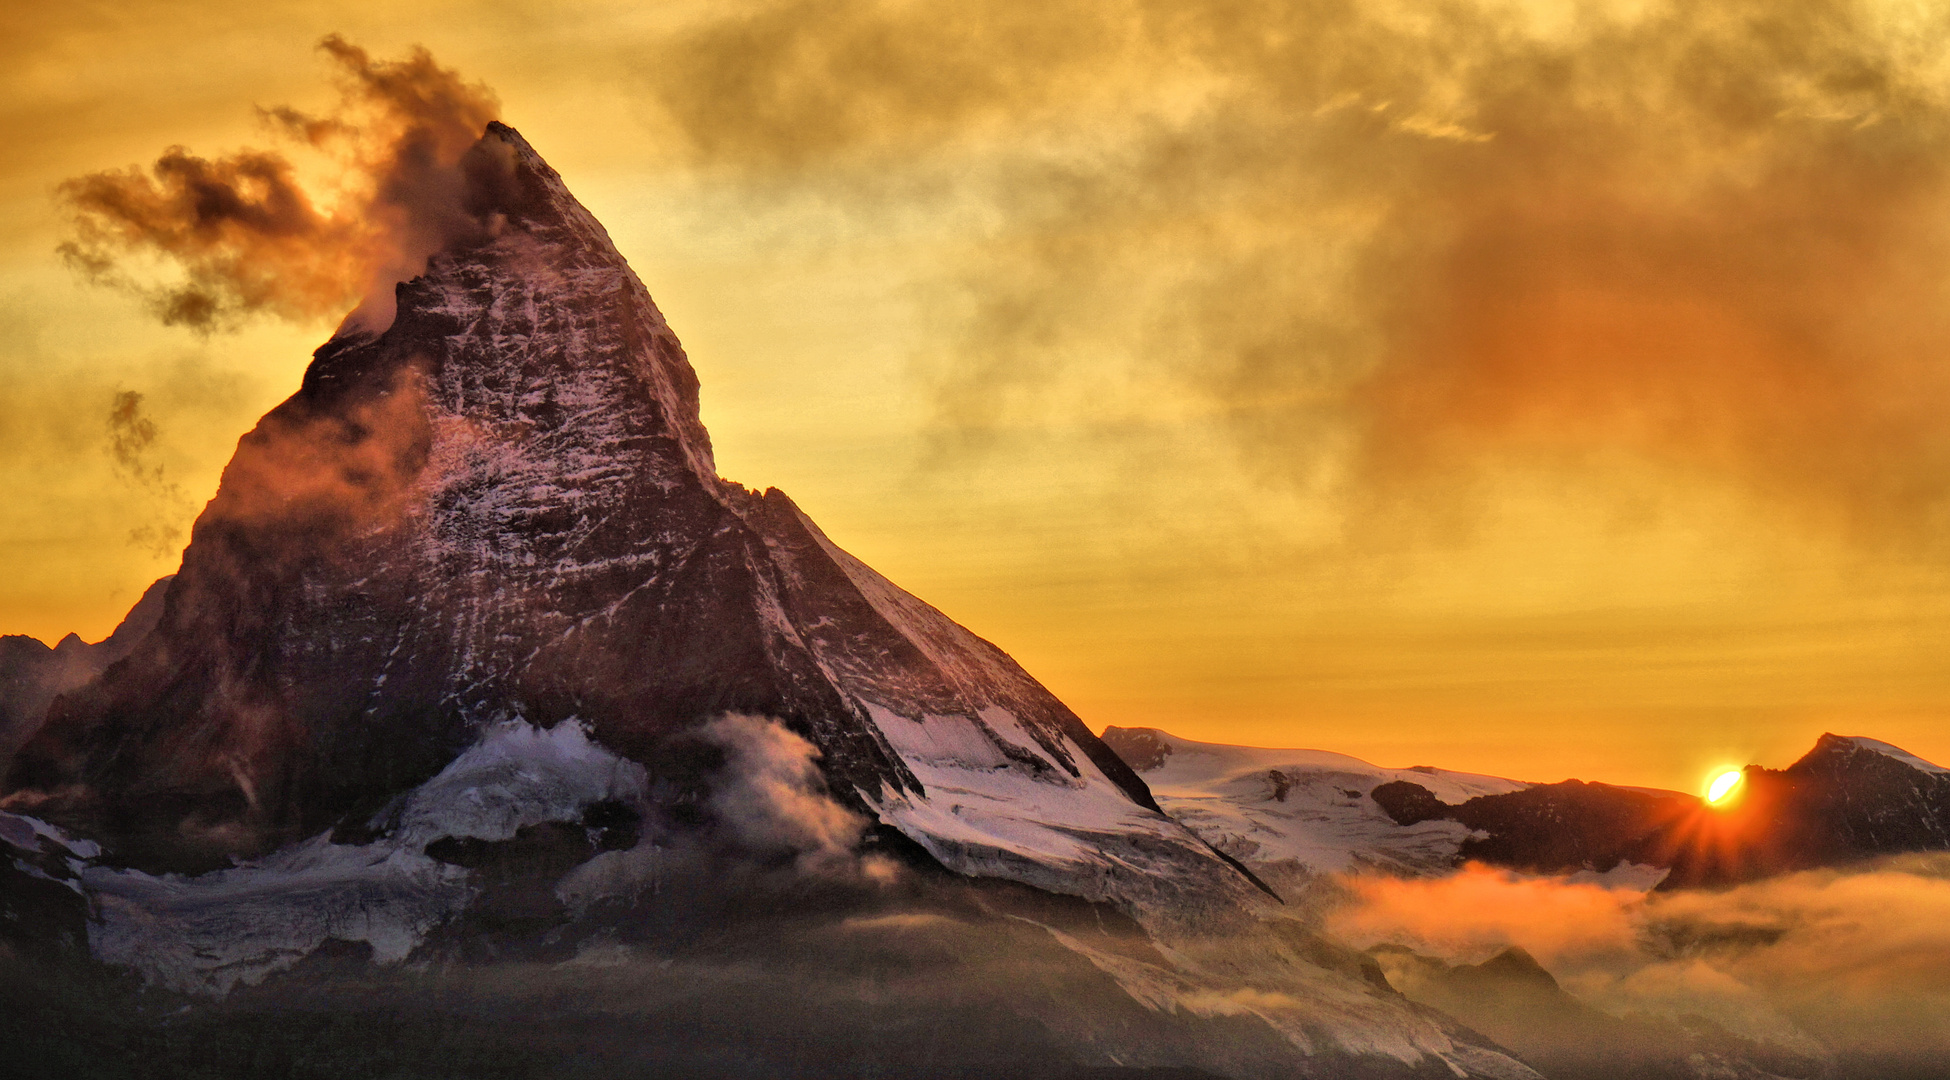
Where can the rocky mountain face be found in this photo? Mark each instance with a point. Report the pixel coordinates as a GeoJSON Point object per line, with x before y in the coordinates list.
{"type": "Point", "coordinates": [1848, 799]}
{"type": "Point", "coordinates": [32, 675]}
{"type": "Point", "coordinates": [1552, 828]}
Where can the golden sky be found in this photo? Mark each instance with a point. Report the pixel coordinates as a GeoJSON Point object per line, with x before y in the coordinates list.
{"type": "Point", "coordinates": [1544, 389]}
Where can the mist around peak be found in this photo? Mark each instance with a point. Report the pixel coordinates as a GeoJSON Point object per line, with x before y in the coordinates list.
{"type": "Point", "coordinates": [207, 242]}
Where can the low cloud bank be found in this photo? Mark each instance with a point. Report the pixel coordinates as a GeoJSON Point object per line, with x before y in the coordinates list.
{"type": "Point", "coordinates": [1858, 959]}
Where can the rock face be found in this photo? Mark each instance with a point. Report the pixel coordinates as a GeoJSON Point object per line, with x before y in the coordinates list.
{"type": "Point", "coordinates": [505, 508]}
{"type": "Point", "coordinates": [1550, 828]}
{"type": "Point", "coordinates": [1850, 798]}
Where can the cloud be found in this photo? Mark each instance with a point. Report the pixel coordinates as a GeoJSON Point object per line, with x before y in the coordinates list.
{"type": "Point", "coordinates": [1390, 248]}
{"type": "Point", "coordinates": [305, 474]}
{"type": "Point", "coordinates": [132, 446]}
{"type": "Point", "coordinates": [770, 798]}
{"type": "Point", "coordinates": [1859, 959]}
{"type": "Point", "coordinates": [130, 437]}
{"type": "Point", "coordinates": [244, 235]}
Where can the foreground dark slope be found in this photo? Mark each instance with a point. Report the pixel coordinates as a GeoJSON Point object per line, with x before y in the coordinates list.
{"type": "Point", "coordinates": [504, 506]}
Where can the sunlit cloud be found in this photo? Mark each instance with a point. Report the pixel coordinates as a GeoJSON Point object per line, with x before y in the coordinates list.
{"type": "Point", "coordinates": [243, 234]}
{"type": "Point", "coordinates": [1422, 242]}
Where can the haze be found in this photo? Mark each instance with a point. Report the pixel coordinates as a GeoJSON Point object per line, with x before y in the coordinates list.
{"type": "Point", "coordinates": [1539, 390]}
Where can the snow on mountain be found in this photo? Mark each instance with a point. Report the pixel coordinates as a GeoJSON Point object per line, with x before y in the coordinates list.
{"type": "Point", "coordinates": [1306, 810]}
{"type": "Point", "coordinates": [209, 933]}
{"type": "Point", "coordinates": [1895, 752]}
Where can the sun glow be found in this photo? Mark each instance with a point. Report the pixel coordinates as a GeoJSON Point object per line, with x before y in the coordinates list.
{"type": "Point", "coordinates": [1723, 786]}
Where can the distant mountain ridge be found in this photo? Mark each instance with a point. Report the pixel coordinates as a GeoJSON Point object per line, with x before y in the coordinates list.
{"type": "Point", "coordinates": [1847, 799]}
{"type": "Point", "coordinates": [32, 674]}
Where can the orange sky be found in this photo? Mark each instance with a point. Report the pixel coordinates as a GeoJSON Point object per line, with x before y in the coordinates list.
{"type": "Point", "coordinates": [1540, 389]}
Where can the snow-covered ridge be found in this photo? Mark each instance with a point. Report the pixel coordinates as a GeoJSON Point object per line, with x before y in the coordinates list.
{"type": "Point", "coordinates": [1896, 752]}
{"type": "Point", "coordinates": [987, 813]}
{"type": "Point", "coordinates": [1306, 810]}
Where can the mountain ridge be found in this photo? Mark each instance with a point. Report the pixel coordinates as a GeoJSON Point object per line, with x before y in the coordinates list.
{"type": "Point", "coordinates": [1849, 798]}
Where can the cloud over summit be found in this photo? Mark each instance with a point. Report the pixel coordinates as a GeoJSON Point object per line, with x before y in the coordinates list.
{"type": "Point", "coordinates": [244, 234]}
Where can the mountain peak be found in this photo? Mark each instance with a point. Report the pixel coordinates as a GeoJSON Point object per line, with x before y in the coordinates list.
{"type": "Point", "coordinates": [503, 508]}
{"type": "Point", "coordinates": [530, 314]}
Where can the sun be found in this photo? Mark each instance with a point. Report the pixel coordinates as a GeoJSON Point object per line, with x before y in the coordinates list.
{"type": "Point", "coordinates": [1723, 786]}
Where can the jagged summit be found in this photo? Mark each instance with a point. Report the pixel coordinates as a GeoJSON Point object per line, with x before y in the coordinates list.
{"type": "Point", "coordinates": [504, 507]}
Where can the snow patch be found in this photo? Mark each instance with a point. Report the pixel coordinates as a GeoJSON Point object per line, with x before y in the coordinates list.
{"type": "Point", "coordinates": [25, 832]}
{"type": "Point", "coordinates": [210, 933]}
{"type": "Point", "coordinates": [986, 815]}
{"type": "Point", "coordinates": [517, 775]}
{"type": "Point", "coordinates": [1308, 808]}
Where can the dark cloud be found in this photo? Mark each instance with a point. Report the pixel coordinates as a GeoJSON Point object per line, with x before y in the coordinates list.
{"type": "Point", "coordinates": [246, 236]}
{"type": "Point", "coordinates": [132, 435]}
